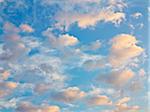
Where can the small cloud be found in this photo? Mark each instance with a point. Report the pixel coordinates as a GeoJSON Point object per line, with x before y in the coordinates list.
{"type": "Point", "coordinates": [68, 95]}
{"type": "Point", "coordinates": [123, 100]}
{"type": "Point", "coordinates": [142, 72]}
{"type": "Point", "coordinates": [4, 75]}
{"type": "Point", "coordinates": [26, 28]}
{"type": "Point", "coordinates": [8, 85]}
{"type": "Point", "coordinates": [67, 40]}
{"type": "Point", "coordinates": [6, 88]}
{"type": "Point", "coordinates": [29, 107]}
{"type": "Point", "coordinates": [137, 15]}
{"type": "Point", "coordinates": [94, 64]}
{"type": "Point", "coordinates": [92, 46]}
{"type": "Point", "coordinates": [122, 105]}
{"type": "Point", "coordinates": [99, 100]}
{"type": "Point", "coordinates": [64, 40]}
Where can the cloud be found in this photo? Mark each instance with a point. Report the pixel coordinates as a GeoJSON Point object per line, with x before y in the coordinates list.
{"type": "Point", "coordinates": [8, 85]}
{"type": "Point", "coordinates": [26, 28]}
{"type": "Point", "coordinates": [94, 64]}
{"type": "Point", "coordinates": [119, 4]}
{"type": "Point", "coordinates": [124, 49]}
{"type": "Point", "coordinates": [93, 46]}
{"type": "Point", "coordinates": [41, 88]}
{"type": "Point", "coordinates": [70, 2]}
{"type": "Point", "coordinates": [63, 40]}
{"type": "Point", "coordinates": [67, 40]}
{"type": "Point", "coordinates": [69, 95]}
{"type": "Point", "coordinates": [4, 75]}
{"type": "Point", "coordinates": [104, 15]}
{"type": "Point", "coordinates": [122, 106]}
{"type": "Point", "coordinates": [123, 100]}
{"type": "Point", "coordinates": [99, 100]}
{"type": "Point", "coordinates": [47, 70]}
{"type": "Point", "coordinates": [13, 47]}
{"type": "Point", "coordinates": [126, 108]}
{"type": "Point", "coordinates": [137, 15]}
{"type": "Point", "coordinates": [29, 107]}
{"type": "Point", "coordinates": [142, 72]}
{"type": "Point", "coordinates": [6, 88]}
{"type": "Point", "coordinates": [91, 12]}
{"type": "Point", "coordinates": [90, 19]}
{"type": "Point", "coordinates": [8, 103]}
{"type": "Point", "coordinates": [117, 78]}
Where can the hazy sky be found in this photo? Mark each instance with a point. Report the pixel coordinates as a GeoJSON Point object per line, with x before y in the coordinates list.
{"type": "Point", "coordinates": [74, 55]}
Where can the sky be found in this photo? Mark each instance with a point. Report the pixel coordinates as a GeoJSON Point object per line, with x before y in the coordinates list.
{"type": "Point", "coordinates": [74, 56]}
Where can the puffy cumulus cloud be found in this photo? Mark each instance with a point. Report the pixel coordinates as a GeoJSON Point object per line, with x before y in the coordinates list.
{"type": "Point", "coordinates": [124, 49]}
{"type": "Point", "coordinates": [117, 78]}
{"type": "Point", "coordinates": [29, 107]}
{"type": "Point", "coordinates": [67, 40]}
{"type": "Point", "coordinates": [60, 41]}
{"type": "Point", "coordinates": [99, 100]}
{"type": "Point", "coordinates": [26, 28]}
{"type": "Point", "coordinates": [69, 95]}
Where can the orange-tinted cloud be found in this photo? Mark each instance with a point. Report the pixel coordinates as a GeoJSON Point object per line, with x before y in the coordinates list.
{"type": "Point", "coordinates": [26, 28]}
{"type": "Point", "coordinates": [69, 95]}
{"type": "Point", "coordinates": [29, 107]}
{"type": "Point", "coordinates": [124, 48]}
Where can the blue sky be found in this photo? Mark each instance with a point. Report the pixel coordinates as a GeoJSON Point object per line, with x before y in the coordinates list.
{"type": "Point", "coordinates": [74, 56]}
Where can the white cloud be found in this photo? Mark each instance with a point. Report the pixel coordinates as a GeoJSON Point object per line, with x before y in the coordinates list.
{"type": "Point", "coordinates": [137, 15]}
{"type": "Point", "coordinates": [61, 41]}
{"type": "Point", "coordinates": [67, 40]}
